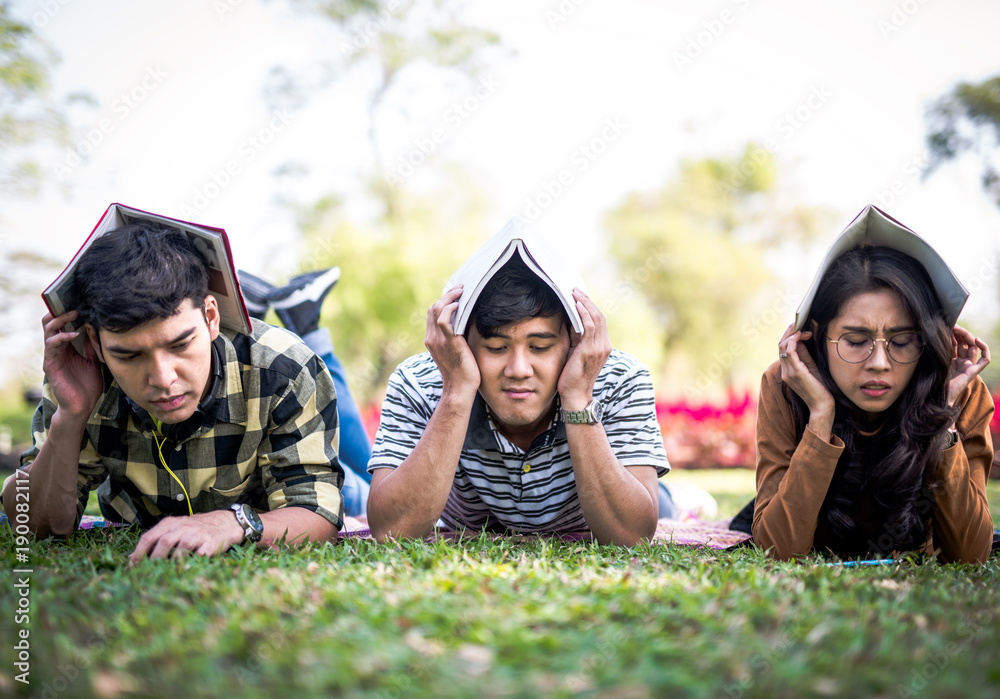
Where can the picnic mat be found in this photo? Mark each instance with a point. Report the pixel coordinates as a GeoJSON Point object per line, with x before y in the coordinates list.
{"type": "Point", "coordinates": [687, 532]}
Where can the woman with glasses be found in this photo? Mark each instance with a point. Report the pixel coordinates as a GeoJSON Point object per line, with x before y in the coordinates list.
{"type": "Point", "coordinates": [873, 425]}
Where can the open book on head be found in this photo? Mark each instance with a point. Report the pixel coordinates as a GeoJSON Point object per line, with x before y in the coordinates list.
{"type": "Point", "coordinates": [212, 243]}
{"type": "Point", "coordinates": [875, 227]}
{"type": "Point", "coordinates": [519, 236]}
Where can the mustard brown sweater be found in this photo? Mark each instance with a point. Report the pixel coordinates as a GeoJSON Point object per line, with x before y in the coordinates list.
{"type": "Point", "coordinates": [793, 477]}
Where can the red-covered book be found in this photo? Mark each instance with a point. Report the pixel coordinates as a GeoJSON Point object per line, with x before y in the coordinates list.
{"type": "Point", "coordinates": [211, 242]}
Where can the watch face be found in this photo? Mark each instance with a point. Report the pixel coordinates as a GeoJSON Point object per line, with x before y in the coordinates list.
{"type": "Point", "coordinates": [254, 518]}
{"type": "Point", "coordinates": [250, 520]}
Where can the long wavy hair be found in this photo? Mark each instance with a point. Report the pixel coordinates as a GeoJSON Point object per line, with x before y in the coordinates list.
{"type": "Point", "coordinates": [880, 496]}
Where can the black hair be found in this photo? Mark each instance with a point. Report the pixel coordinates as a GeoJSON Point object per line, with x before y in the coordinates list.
{"type": "Point", "coordinates": [137, 273]}
{"type": "Point", "coordinates": [880, 495]}
{"type": "Point", "coordinates": [512, 295]}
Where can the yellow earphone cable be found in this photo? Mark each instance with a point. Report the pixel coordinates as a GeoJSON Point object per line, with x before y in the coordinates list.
{"type": "Point", "coordinates": [159, 452]}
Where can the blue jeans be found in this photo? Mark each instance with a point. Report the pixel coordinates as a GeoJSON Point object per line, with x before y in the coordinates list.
{"type": "Point", "coordinates": [667, 507]}
{"type": "Point", "coordinates": [355, 450]}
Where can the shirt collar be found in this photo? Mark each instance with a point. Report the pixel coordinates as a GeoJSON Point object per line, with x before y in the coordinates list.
{"type": "Point", "coordinates": [481, 433]}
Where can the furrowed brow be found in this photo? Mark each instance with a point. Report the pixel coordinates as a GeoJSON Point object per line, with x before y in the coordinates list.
{"type": "Point", "coordinates": [121, 349]}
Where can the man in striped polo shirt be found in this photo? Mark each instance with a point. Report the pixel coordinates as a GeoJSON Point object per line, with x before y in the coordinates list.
{"type": "Point", "coordinates": [520, 425]}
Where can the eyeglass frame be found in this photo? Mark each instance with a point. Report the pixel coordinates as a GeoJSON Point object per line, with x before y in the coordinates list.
{"type": "Point", "coordinates": [873, 340]}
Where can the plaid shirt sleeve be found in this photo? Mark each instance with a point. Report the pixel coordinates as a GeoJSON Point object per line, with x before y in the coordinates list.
{"type": "Point", "coordinates": [298, 451]}
{"type": "Point", "coordinates": [91, 468]}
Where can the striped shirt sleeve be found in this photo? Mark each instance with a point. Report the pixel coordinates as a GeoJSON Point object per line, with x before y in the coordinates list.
{"type": "Point", "coordinates": [413, 392]}
{"type": "Point", "coordinates": [630, 413]}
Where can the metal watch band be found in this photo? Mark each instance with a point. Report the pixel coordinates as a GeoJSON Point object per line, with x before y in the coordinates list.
{"type": "Point", "coordinates": [590, 415]}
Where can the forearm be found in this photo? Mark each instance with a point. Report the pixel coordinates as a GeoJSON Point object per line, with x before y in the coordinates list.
{"type": "Point", "coordinates": [618, 507]}
{"type": "Point", "coordinates": [790, 497]}
{"type": "Point", "coordinates": [294, 525]}
{"type": "Point", "coordinates": [963, 526]}
{"type": "Point", "coordinates": [408, 500]}
{"type": "Point", "coordinates": [51, 492]}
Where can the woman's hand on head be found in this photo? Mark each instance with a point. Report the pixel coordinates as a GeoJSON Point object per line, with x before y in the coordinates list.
{"type": "Point", "coordinates": [969, 356]}
{"type": "Point", "coordinates": [798, 370]}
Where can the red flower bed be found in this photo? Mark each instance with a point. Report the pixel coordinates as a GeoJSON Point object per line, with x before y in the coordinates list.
{"type": "Point", "coordinates": [703, 435]}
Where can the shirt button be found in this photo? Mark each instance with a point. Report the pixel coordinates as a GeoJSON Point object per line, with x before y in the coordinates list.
{"type": "Point", "coordinates": [527, 467]}
{"type": "Point", "coordinates": [180, 496]}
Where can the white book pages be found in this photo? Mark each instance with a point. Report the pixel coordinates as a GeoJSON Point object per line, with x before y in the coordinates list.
{"type": "Point", "coordinates": [518, 235]}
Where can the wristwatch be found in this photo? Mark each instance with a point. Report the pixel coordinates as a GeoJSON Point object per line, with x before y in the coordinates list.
{"type": "Point", "coordinates": [253, 528]}
{"type": "Point", "coordinates": [952, 439]}
{"type": "Point", "coordinates": [588, 416]}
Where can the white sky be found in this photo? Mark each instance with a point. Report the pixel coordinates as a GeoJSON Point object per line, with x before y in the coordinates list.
{"type": "Point", "coordinates": [202, 101]}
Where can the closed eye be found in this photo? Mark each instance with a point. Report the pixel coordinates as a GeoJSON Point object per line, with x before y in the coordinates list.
{"type": "Point", "coordinates": [902, 341]}
{"type": "Point", "coordinates": [855, 341]}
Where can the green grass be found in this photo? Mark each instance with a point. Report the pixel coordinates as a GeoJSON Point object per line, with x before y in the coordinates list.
{"type": "Point", "coordinates": [500, 618]}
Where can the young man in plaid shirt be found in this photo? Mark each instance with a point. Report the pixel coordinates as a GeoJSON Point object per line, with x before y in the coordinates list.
{"type": "Point", "coordinates": [183, 428]}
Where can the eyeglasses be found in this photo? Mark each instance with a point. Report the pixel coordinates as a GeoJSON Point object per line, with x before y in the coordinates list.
{"type": "Point", "coordinates": [855, 347]}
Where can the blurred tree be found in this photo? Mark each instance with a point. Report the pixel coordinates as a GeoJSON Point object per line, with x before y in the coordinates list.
{"type": "Point", "coordinates": [695, 250]}
{"type": "Point", "coordinates": [395, 263]}
{"type": "Point", "coordinates": [27, 113]}
{"type": "Point", "coordinates": [391, 273]}
{"type": "Point", "coordinates": [967, 119]}
{"type": "Point", "coordinates": [29, 120]}
{"type": "Point", "coordinates": [383, 39]}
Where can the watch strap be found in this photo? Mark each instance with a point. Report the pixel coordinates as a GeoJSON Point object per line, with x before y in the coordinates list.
{"type": "Point", "coordinates": [590, 415]}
